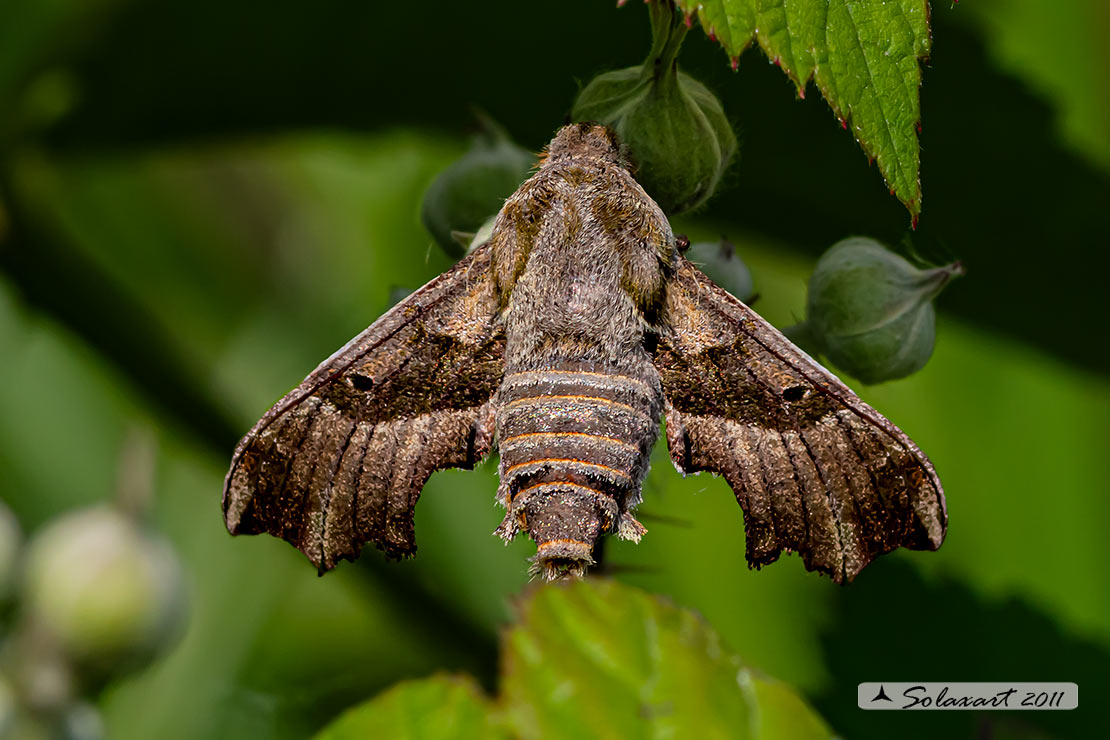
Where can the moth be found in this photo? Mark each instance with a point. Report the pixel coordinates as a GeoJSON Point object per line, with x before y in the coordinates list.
{"type": "Point", "coordinates": [564, 341]}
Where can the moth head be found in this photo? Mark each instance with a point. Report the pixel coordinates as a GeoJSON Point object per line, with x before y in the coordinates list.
{"type": "Point", "coordinates": [588, 139]}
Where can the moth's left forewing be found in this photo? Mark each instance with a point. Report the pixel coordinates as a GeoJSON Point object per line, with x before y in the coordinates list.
{"type": "Point", "coordinates": [341, 460]}
{"type": "Point", "coordinates": [815, 469]}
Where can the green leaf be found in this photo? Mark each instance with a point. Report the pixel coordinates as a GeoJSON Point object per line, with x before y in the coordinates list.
{"type": "Point", "coordinates": [446, 707]}
{"type": "Point", "coordinates": [599, 659]}
{"type": "Point", "coordinates": [864, 56]}
{"type": "Point", "coordinates": [782, 713]}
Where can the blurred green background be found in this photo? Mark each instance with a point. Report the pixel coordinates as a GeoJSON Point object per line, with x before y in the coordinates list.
{"type": "Point", "coordinates": [200, 200]}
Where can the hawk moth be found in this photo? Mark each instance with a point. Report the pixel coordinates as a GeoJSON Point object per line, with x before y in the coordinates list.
{"type": "Point", "coordinates": [565, 340]}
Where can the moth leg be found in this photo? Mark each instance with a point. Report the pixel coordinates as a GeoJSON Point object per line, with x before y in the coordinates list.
{"type": "Point", "coordinates": [629, 528]}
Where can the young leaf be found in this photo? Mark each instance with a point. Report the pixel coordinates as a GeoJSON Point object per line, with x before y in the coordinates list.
{"type": "Point", "coordinates": [599, 659]}
{"type": "Point", "coordinates": [863, 55]}
{"type": "Point", "coordinates": [436, 708]}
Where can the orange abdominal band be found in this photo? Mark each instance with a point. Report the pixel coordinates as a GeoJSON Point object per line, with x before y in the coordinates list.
{"type": "Point", "coordinates": [552, 543]}
{"type": "Point", "coordinates": [569, 435]}
{"type": "Point", "coordinates": [588, 399]}
{"type": "Point", "coordinates": [606, 468]}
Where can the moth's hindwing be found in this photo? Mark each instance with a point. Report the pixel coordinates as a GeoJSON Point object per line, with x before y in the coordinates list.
{"type": "Point", "coordinates": [341, 460]}
{"type": "Point", "coordinates": [816, 470]}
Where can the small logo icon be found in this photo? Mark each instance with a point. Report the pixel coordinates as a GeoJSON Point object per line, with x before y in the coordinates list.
{"type": "Point", "coordinates": [881, 696]}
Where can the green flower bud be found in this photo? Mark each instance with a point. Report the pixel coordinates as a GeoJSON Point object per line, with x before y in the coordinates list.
{"type": "Point", "coordinates": [10, 539]}
{"type": "Point", "coordinates": [110, 593]}
{"type": "Point", "coordinates": [674, 128]}
{"type": "Point", "coordinates": [871, 312]}
{"type": "Point", "coordinates": [720, 262]}
{"type": "Point", "coordinates": [474, 187]}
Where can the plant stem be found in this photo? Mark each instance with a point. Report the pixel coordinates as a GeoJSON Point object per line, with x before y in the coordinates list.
{"type": "Point", "coordinates": [668, 32]}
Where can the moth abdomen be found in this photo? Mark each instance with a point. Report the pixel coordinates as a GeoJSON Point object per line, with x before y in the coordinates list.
{"type": "Point", "coordinates": [574, 448]}
{"type": "Point", "coordinates": [592, 423]}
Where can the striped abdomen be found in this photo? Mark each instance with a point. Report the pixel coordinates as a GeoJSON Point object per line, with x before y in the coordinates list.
{"type": "Point", "coordinates": [574, 447]}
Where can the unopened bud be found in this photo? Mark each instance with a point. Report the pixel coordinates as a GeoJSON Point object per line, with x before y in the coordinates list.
{"type": "Point", "coordinates": [674, 128]}
{"type": "Point", "coordinates": [474, 187]}
{"type": "Point", "coordinates": [870, 311]}
{"type": "Point", "coordinates": [109, 592]}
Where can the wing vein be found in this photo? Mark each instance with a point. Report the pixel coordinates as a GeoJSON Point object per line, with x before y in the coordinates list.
{"type": "Point", "coordinates": [310, 420]}
{"type": "Point", "coordinates": [816, 466]}
{"type": "Point", "coordinates": [847, 430]}
{"type": "Point", "coordinates": [359, 537]}
{"type": "Point", "coordinates": [325, 495]}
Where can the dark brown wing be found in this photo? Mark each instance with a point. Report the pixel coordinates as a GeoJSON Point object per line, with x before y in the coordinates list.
{"type": "Point", "coordinates": [341, 460]}
{"type": "Point", "coordinates": [816, 470]}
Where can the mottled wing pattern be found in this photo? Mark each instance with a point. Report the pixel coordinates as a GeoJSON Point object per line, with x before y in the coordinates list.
{"type": "Point", "coordinates": [341, 460]}
{"type": "Point", "coordinates": [816, 470]}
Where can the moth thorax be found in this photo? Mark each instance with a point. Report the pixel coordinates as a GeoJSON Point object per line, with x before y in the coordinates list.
{"type": "Point", "coordinates": [565, 524]}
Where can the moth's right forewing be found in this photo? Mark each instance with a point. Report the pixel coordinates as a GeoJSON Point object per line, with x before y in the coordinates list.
{"type": "Point", "coordinates": [341, 460]}
{"type": "Point", "coordinates": [815, 469]}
